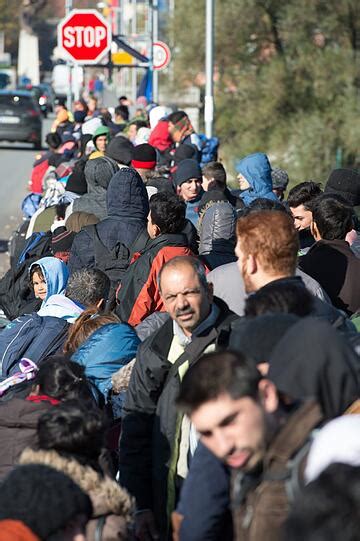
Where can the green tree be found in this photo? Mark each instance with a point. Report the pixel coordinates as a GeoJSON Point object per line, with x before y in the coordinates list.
{"type": "Point", "coordinates": [287, 78]}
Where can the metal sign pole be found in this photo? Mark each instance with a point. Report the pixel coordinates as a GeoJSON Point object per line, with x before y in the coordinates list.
{"type": "Point", "coordinates": [155, 36]}
{"type": "Point", "coordinates": [209, 69]}
{"type": "Point", "coordinates": [68, 8]}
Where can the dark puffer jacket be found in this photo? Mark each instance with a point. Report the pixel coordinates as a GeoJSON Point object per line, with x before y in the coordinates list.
{"type": "Point", "coordinates": [127, 207]}
{"type": "Point", "coordinates": [216, 228]}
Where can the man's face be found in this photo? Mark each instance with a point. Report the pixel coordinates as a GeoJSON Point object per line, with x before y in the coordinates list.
{"type": "Point", "coordinates": [237, 431]}
{"type": "Point", "coordinates": [206, 182]}
{"type": "Point", "coordinates": [101, 143]}
{"type": "Point", "coordinates": [242, 263]}
{"type": "Point", "coordinates": [243, 183]}
{"type": "Point", "coordinates": [132, 132]}
{"type": "Point", "coordinates": [185, 298]}
{"type": "Point", "coordinates": [152, 229]}
{"type": "Point", "coordinates": [302, 217]}
{"type": "Point", "coordinates": [190, 189]}
{"type": "Point", "coordinates": [174, 134]}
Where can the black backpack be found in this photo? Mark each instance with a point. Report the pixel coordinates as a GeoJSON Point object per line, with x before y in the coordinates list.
{"type": "Point", "coordinates": [113, 262]}
{"type": "Point", "coordinates": [16, 295]}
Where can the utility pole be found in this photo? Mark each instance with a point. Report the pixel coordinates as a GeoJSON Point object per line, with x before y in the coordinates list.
{"type": "Point", "coordinates": [68, 8]}
{"type": "Point", "coordinates": [155, 37]}
{"type": "Point", "coordinates": [209, 69]}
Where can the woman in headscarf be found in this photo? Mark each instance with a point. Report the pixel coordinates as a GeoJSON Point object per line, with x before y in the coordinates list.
{"type": "Point", "coordinates": [314, 360]}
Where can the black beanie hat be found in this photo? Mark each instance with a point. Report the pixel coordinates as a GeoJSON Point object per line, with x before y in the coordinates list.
{"type": "Point", "coordinates": [76, 182]}
{"type": "Point", "coordinates": [44, 499]}
{"type": "Point", "coordinates": [187, 169]}
{"type": "Point", "coordinates": [257, 337]}
{"type": "Point", "coordinates": [120, 149]}
{"type": "Point", "coordinates": [144, 156]}
{"type": "Point", "coordinates": [61, 240]}
{"type": "Point", "coordinates": [185, 151]}
{"type": "Point", "coordinates": [345, 182]}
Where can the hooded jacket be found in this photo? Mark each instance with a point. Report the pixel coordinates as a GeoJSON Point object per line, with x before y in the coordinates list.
{"type": "Point", "coordinates": [319, 364]}
{"type": "Point", "coordinates": [56, 275]}
{"type": "Point", "coordinates": [61, 307]}
{"type": "Point", "coordinates": [127, 207]}
{"type": "Point", "coordinates": [106, 351]}
{"type": "Point", "coordinates": [108, 499]}
{"type": "Point", "coordinates": [98, 173]}
{"type": "Point", "coordinates": [256, 169]}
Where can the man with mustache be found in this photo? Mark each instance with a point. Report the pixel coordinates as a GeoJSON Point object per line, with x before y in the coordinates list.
{"type": "Point", "coordinates": [156, 441]}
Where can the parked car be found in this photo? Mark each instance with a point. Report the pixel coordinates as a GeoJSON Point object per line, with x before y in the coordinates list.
{"type": "Point", "coordinates": [42, 95]}
{"type": "Point", "coordinates": [20, 117]}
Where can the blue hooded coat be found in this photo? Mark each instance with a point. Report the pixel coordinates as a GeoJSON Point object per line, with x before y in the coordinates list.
{"type": "Point", "coordinates": [107, 350]}
{"type": "Point", "coordinates": [256, 169]}
{"type": "Point", "coordinates": [127, 207]}
{"type": "Point", "coordinates": [56, 275]}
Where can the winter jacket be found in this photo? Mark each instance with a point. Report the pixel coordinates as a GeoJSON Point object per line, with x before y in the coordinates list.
{"type": "Point", "coordinates": [18, 423]}
{"type": "Point", "coordinates": [107, 350]}
{"type": "Point", "coordinates": [148, 443]}
{"type": "Point", "coordinates": [111, 503]}
{"type": "Point", "coordinates": [229, 286]}
{"type": "Point", "coordinates": [216, 226]}
{"type": "Point", "coordinates": [139, 293]}
{"type": "Point", "coordinates": [56, 275]}
{"type": "Point", "coordinates": [94, 201]}
{"type": "Point", "coordinates": [61, 307]}
{"type": "Point", "coordinates": [127, 208]}
{"type": "Point", "coordinates": [260, 506]}
{"type": "Point", "coordinates": [337, 269]}
{"type": "Point", "coordinates": [205, 499]}
{"type": "Point", "coordinates": [256, 169]}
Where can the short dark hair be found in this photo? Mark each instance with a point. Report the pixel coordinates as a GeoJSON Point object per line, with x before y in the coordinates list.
{"type": "Point", "coordinates": [62, 379]}
{"type": "Point", "coordinates": [167, 212]}
{"type": "Point", "coordinates": [333, 216]}
{"type": "Point", "coordinates": [327, 508]}
{"type": "Point", "coordinates": [36, 269]}
{"type": "Point", "coordinates": [215, 374]}
{"type": "Point", "coordinates": [139, 124]}
{"type": "Point", "coordinates": [284, 297]}
{"type": "Point", "coordinates": [72, 428]}
{"type": "Point", "coordinates": [216, 171]}
{"type": "Point", "coordinates": [53, 140]}
{"type": "Point", "coordinates": [303, 193]}
{"type": "Point", "coordinates": [123, 111]}
{"type": "Point", "coordinates": [88, 286]}
{"type": "Point", "coordinates": [176, 116]}
{"type": "Point", "coordinates": [263, 203]}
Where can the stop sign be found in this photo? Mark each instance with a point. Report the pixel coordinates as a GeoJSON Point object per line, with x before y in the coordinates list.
{"type": "Point", "coordinates": [84, 35]}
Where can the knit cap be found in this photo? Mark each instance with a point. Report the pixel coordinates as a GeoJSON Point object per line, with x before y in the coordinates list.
{"type": "Point", "coordinates": [186, 170]}
{"type": "Point", "coordinates": [345, 182]}
{"type": "Point", "coordinates": [280, 178]}
{"type": "Point", "coordinates": [101, 170]}
{"type": "Point", "coordinates": [42, 498]}
{"type": "Point", "coordinates": [144, 157]}
{"type": "Point", "coordinates": [120, 149]}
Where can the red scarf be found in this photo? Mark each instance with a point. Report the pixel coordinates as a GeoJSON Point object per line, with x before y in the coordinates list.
{"type": "Point", "coordinates": [43, 398]}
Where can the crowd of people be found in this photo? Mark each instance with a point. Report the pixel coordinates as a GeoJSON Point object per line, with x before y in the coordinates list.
{"type": "Point", "coordinates": [179, 359]}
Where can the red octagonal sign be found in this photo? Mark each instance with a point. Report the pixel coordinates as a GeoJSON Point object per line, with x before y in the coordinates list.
{"type": "Point", "coordinates": [84, 35]}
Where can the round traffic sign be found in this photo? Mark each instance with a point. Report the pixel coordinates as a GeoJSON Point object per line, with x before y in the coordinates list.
{"type": "Point", "coordinates": [161, 55]}
{"type": "Point", "coordinates": [84, 35]}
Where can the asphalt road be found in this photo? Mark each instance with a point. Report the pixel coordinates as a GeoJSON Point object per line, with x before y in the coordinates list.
{"type": "Point", "coordinates": [16, 161]}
